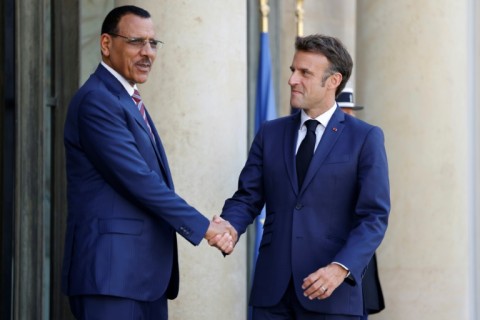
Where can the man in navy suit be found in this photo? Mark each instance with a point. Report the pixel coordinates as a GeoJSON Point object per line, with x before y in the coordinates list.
{"type": "Point", "coordinates": [323, 220]}
{"type": "Point", "coordinates": [121, 250]}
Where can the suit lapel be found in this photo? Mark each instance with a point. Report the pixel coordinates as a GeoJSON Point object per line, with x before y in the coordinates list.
{"type": "Point", "coordinates": [290, 143]}
{"type": "Point", "coordinates": [160, 152]}
{"type": "Point", "coordinates": [329, 138]}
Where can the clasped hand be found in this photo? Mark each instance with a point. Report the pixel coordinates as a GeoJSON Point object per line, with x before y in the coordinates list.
{"type": "Point", "coordinates": [222, 235]}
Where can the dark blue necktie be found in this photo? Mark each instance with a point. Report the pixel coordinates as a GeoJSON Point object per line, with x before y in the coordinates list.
{"type": "Point", "coordinates": [305, 151]}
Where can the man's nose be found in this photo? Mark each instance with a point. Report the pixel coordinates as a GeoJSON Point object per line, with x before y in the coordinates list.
{"type": "Point", "coordinates": [148, 50]}
{"type": "Point", "coordinates": [293, 79]}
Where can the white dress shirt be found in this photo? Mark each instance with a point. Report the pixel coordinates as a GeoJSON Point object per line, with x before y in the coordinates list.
{"type": "Point", "coordinates": [323, 120]}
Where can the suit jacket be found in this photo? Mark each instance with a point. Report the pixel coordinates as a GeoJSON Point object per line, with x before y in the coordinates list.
{"type": "Point", "coordinates": [339, 214]}
{"type": "Point", "coordinates": [123, 211]}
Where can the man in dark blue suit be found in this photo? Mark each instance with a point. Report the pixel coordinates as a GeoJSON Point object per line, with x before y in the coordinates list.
{"type": "Point", "coordinates": [326, 213]}
{"type": "Point", "coordinates": [123, 213]}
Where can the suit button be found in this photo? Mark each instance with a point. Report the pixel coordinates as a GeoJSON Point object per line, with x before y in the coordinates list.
{"type": "Point", "coordinates": [299, 206]}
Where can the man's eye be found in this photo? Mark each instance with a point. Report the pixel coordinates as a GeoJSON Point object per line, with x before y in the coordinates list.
{"type": "Point", "coordinates": [153, 43]}
{"type": "Point", "coordinates": [137, 42]}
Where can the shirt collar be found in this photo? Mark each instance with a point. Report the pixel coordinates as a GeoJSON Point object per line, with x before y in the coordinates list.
{"type": "Point", "coordinates": [120, 78]}
{"type": "Point", "coordinates": [324, 118]}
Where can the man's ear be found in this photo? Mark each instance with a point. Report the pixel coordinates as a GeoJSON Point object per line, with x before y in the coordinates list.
{"type": "Point", "coordinates": [334, 80]}
{"type": "Point", "coordinates": [105, 44]}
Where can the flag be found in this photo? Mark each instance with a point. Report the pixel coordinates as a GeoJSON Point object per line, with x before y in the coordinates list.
{"type": "Point", "coordinates": [265, 99]}
{"type": "Point", "coordinates": [264, 110]}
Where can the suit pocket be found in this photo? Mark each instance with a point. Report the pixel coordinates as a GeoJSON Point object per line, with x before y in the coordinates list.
{"type": "Point", "coordinates": [120, 226]}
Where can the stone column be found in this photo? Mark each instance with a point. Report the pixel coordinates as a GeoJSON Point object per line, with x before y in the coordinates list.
{"type": "Point", "coordinates": [415, 77]}
{"type": "Point", "coordinates": [333, 18]}
{"type": "Point", "coordinates": [197, 97]}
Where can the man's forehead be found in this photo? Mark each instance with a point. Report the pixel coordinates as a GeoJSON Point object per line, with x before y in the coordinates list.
{"type": "Point", "coordinates": [309, 60]}
{"type": "Point", "coordinates": [134, 22]}
{"type": "Point", "coordinates": [133, 18]}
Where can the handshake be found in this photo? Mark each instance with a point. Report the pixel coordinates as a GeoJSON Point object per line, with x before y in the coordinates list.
{"type": "Point", "coordinates": [222, 235]}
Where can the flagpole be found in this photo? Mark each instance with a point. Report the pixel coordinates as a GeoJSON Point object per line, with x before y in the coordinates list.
{"type": "Point", "coordinates": [264, 10]}
{"type": "Point", "coordinates": [299, 14]}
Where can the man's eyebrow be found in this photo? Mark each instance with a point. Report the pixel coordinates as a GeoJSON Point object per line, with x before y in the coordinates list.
{"type": "Point", "coordinates": [305, 70]}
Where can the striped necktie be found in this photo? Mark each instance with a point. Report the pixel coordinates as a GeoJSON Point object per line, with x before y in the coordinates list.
{"type": "Point", "coordinates": [141, 107]}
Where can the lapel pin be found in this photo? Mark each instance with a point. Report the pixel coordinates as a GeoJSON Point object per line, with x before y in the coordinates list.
{"type": "Point", "coordinates": [334, 129]}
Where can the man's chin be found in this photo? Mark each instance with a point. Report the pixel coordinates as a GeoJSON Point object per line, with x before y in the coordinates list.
{"type": "Point", "coordinates": [295, 106]}
{"type": "Point", "coordinates": [141, 79]}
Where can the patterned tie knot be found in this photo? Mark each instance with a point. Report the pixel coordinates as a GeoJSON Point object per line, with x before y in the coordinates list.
{"type": "Point", "coordinates": [136, 96]}
{"type": "Point", "coordinates": [311, 125]}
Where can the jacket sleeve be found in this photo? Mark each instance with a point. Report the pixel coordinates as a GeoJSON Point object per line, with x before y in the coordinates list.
{"type": "Point", "coordinates": [247, 202]}
{"type": "Point", "coordinates": [372, 207]}
{"type": "Point", "coordinates": [109, 144]}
